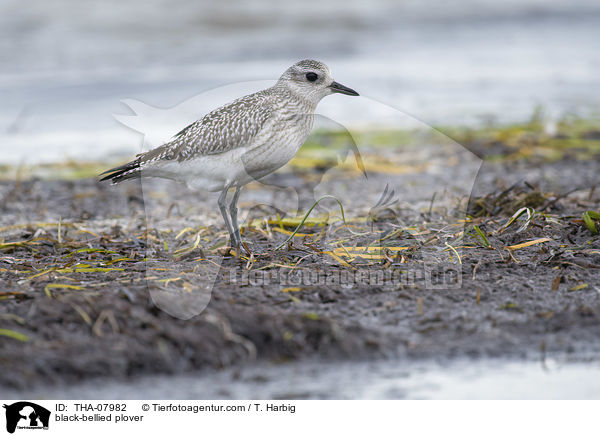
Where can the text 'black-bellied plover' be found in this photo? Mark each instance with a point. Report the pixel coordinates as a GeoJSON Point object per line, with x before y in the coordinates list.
{"type": "Point", "coordinates": [241, 141]}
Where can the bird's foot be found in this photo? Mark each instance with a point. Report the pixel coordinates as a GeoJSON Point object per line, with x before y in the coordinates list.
{"type": "Point", "coordinates": [237, 245]}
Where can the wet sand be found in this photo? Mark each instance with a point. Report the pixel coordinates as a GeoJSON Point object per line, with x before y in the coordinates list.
{"type": "Point", "coordinates": [95, 298]}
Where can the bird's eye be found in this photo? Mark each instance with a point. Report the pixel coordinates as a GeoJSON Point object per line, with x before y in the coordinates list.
{"type": "Point", "coordinates": [311, 77]}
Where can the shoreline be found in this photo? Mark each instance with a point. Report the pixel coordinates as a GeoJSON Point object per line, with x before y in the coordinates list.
{"type": "Point", "coordinates": [80, 299]}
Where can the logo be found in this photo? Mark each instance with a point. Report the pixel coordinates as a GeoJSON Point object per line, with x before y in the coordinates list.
{"type": "Point", "coordinates": [26, 415]}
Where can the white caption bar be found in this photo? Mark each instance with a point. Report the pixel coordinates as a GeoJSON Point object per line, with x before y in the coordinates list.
{"type": "Point", "coordinates": [262, 417]}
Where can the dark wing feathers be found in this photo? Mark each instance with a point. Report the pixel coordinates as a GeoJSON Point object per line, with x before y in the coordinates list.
{"type": "Point", "coordinates": [127, 171]}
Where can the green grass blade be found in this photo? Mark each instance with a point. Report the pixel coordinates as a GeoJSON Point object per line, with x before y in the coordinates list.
{"type": "Point", "coordinates": [484, 239]}
{"type": "Point", "coordinates": [13, 334]}
{"type": "Point", "coordinates": [589, 218]}
{"type": "Point", "coordinates": [306, 217]}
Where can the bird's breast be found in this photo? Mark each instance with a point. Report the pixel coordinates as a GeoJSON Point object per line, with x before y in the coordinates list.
{"type": "Point", "coordinates": [277, 144]}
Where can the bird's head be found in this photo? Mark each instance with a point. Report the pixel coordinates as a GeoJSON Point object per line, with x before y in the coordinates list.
{"type": "Point", "coordinates": [312, 81]}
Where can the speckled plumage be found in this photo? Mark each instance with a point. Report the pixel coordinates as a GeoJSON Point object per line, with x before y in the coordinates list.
{"type": "Point", "coordinates": [228, 127]}
{"type": "Point", "coordinates": [243, 140]}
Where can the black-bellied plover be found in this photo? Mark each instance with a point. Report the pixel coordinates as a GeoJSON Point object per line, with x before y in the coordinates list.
{"type": "Point", "coordinates": [241, 141]}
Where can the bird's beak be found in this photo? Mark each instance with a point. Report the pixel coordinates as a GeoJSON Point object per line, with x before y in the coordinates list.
{"type": "Point", "coordinates": [338, 87]}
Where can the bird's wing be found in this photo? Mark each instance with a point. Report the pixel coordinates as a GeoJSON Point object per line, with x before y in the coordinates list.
{"type": "Point", "coordinates": [226, 128]}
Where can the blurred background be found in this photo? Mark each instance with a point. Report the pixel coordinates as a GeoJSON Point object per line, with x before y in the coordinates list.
{"type": "Point", "coordinates": [66, 65]}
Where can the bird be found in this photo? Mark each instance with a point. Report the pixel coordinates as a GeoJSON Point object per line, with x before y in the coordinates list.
{"type": "Point", "coordinates": [241, 141]}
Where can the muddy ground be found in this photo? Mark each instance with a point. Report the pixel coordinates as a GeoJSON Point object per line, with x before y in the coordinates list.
{"type": "Point", "coordinates": [118, 288]}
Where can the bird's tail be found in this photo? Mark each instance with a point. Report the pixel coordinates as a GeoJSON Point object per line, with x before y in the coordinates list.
{"type": "Point", "coordinates": [130, 170]}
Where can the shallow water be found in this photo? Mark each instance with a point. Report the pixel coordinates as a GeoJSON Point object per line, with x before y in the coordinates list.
{"type": "Point", "coordinates": [462, 379]}
{"type": "Point", "coordinates": [462, 62]}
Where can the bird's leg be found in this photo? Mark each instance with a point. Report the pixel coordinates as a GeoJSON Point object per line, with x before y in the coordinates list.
{"type": "Point", "coordinates": [223, 208]}
{"type": "Point", "coordinates": [233, 211]}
